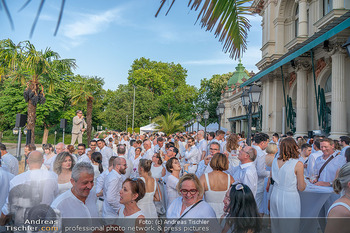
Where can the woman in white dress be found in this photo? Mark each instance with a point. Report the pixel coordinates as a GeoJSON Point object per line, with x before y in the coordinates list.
{"type": "Point", "coordinates": [157, 168]}
{"type": "Point", "coordinates": [146, 204]}
{"type": "Point", "coordinates": [135, 161]}
{"type": "Point", "coordinates": [288, 176]}
{"type": "Point", "coordinates": [49, 156]}
{"type": "Point", "coordinates": [63, 166]}
{"type": "Point", "coordinates": [339, 212]}
{"type": "Point", "coordinates": [132, 192]}
{"type": "Point", "coordinates": [231, 149]}
{"type": "Point", "coordinates": [173, 166]}
{"type": "Point", "coordinates": [96, 160]}
{"type": "Point", "coordinates": [216, 183]}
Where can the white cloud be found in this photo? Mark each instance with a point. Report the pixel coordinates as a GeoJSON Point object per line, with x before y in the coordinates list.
{"type": "Point", "coordinates": [89, 24]}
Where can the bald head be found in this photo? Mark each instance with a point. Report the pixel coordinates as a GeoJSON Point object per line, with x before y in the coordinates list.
{"type": "Point", "coordinates": [118, 161]}
{"type": "Point", "coordinates": [35, 160]}
{"type": "Point", "coordinates": [147, 144]}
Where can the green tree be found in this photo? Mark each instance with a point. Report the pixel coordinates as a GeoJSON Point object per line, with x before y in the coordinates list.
{"type": "Point", "coordinates": [87, 89]}
{"type": "Point", "coordinates": [227, 17]}
{"type": "Point", "coordinates": [210, 94]}
{"type": "Point", "coordinates": [34, 69]}
{"type": "Point", "coordinates": [169, 123]}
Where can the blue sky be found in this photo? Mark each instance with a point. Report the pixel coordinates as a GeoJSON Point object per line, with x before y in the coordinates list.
{"type": "Point", "coordinates": [106, 36]}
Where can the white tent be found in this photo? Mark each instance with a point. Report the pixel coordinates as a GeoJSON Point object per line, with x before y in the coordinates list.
{"type": "Point", "coordinates": [213, 127]}
{"type": "Point", "coordinates": [149, 128]}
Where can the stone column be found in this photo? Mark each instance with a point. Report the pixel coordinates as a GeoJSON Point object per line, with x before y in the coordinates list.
{"type": "Point", "coordinates": [338, 4]}
{"type": "Point", "coordinates": [302, 18]}
{"type": "Point", "coordinates": [339, 122]}
{"type": "Point", "coordinates": [302, 67]}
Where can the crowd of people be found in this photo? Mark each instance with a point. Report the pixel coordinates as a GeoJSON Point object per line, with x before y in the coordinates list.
{"type": "Point", "coordinates": [178, 176]}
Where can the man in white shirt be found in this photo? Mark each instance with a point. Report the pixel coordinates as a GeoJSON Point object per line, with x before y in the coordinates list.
{"type": "Point", "coordinates": [192, 155]}
{"type": "Point", "coordinates": [211, 136]}
{"type": "Point", "coordinates": [121, 154]}
{"type": "Point", "coordinates": [202, 144]}
{"type": "Point", "coordinates": [261, 142]}
{"type": "Point", "coordinates": [148, 154]}
{"type": "Point", "coordinates": [82, 157]}
{"type": "Point", "coordinates": [160, 147]}
{"type": "Point", "coordinates": [344, 141]}
{"type": "Point", "coordinates": [5, 178]}
{"type": "Point", "coordinates": [220, 135]}
{"type": "Point", "coordinates": [42, 183]}
{"type": "Point", "coordinates": [311, 169]}
{"type": "Point", "coordinates": [112, 187]}
{"type": "Point", "coordinates": [106, 152]}
{"type": "Point", "coordinates": [246, 172]}
{"type": "Point", "coordinates": [305, 151]}
{"type": "Point", "coordinates": [92, 146]}
{"type": "Point", "coordinates": [9, 162]}
{"type": "Point", "coordinates": [79, 201]}
{"type": "Point", "coordinates": [204, 165]}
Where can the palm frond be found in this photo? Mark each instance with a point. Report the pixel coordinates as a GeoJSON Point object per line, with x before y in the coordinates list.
{"type": "Point", "coordinates": [228, 19]}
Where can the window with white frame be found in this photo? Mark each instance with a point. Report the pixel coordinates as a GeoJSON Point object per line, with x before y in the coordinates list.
{"type": "Point", "coordinates": [327, 6]}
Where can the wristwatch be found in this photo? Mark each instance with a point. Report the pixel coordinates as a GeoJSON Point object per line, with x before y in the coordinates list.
{"type": "Point", "coordinates": [331, 183]}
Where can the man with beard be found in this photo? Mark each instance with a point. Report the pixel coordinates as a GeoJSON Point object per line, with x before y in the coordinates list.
{"type": "Point", "coordinates": [112, 187]}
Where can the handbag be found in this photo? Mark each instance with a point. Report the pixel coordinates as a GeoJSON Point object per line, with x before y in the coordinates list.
{"type": "Point", "coordinates": [161, 211]}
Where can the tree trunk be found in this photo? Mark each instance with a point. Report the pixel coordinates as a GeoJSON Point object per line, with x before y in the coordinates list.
{"type": "Point", "coordinates": [1, 133]}
{"type": "Point", "coordinates": [31, 119]}
{"type": "Point", "coordinates": [46, 134]}
{"type": "Point", "coordinates": [89, 118]}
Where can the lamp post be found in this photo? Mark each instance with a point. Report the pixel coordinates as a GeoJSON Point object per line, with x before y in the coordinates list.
{"type": "Point", "coordinates": [199, 117]}
{"type": "Point", "coordinates": [250, 99]}
{"type": "Point", "coordinates": [150, 120]}
{"type": "Point", "coordinates": [192, 122]}
{"type": "Point", "coordinates": [126, 130]}
{"type": "Point", "coordinates": [206, 117]}
{"type": "Point", "coordinates": [54, 142]}
{"type": "Point", "coordinates": [133, 112]}
{"type": "Point", "coordinates": [219, 111]}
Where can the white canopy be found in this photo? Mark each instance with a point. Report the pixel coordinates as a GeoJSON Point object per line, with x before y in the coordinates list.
{"type": "Point", "coordinates": [213, 127]}
{"type": "Point", "coordinates": [149, 128]}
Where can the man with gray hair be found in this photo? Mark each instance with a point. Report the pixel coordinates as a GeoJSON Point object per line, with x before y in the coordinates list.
{"type": "Point", "coordinates": [42, 182]}
{"type": "Point", "coordinates": [246, 172]}
{"type": "Point", "coordinates": [79, 126]}
{"type": "Point", "coordinates": [79, 201]}
{"type": "Point", "coordinates": [148, 154]}
{"type": "Point", "coordinates": [202, 144]}
{"type": "Point", "coordinates": [112, 187]}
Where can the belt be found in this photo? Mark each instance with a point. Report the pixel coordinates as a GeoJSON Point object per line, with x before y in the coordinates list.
{"type": "Point", "coordinates": [194, 164]}
{"type": "Point", "coordinates": [101, 199]}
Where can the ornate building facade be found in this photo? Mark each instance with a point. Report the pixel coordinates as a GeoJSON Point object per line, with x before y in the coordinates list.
{"type": "Point", "coordinates": [304, 69]}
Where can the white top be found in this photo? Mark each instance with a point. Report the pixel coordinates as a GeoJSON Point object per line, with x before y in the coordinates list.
{"type": "Point", "coordinates": [64, 187]}
{"type": "Point", "coordinates": [48, 162]}
{"type": "Point", "coordinates": [10, 163]}
{"type": "Point", "coordinates": [83, 158]}
{"type": "Point", "coordinates": [338, 204]}
{"type": "Point", "coordinates": [171, 189]}
{"type": "Point", "coordinates": [157, 149]}
{"type": "Point", "coordinates": [156, 171]}
{"type": "Point", "coordinates": [148, 154]}
{"type": "Point", "coordinates": [107, 153]}
{"type": "Point", "coordinates": [146, 204]}
{"type": "Point", "coordinates": [135, 215]}
{"type": "Point", "coordinates": [70, 206]}
{"type": "Point", "coordinates": [202, 146]}
{"type": "Point", "coordinates": [5, 178]}
{"type": "Point", "coordinates": [112, 186]}
{"type": "Point", "coordinates": [246, 174]}
{"type": "Point", "coordinates": [100, 180]}
{"type": "Point", "coordinates": [330, 170]}
{"type": "Point", "coordinates": [44, 180]}
{"type": "Point", "coordinates": [312, 160]}
{"type": "Point", "coordinates": [260, 163]}
{"type": "Point", "coordinates": [201, 210]}
{"type": "Point", "coordinates": [193, 156]}
{"type": "Point", "coordinates": [131, 153]}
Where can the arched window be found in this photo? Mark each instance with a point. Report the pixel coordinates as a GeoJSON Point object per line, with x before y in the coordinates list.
{"type": "Point", "coordinates": [296, 21]}
{"type": "Point", "coordinates": [327, 6]}
{"type": "Point", "coordinates": [328, 85]}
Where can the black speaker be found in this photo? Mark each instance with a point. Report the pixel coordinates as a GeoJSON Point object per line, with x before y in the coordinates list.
{"type": "Point", "coordinates": [21, 120]}
{"type": "Point", "coordinates": [63, 124]}
{"type": "Point", "coordinates": [310, 134]}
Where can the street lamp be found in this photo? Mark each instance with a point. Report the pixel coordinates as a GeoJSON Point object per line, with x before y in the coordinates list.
{"type": "Point", "coordinates": [126, 124]}
{"type": "Point", "coordinates": [206, 117]}
{"type": "Point", "coordinates": [219, 111]}
{"type": "Point", "coordinates": [150, 120]}
{"type": "Point", "coordinates": [199, 117]}
{"type": "Point", "coordinates": [192, 122]}
{"type": "Point", "coordinates": [133, 111]}
{"type": "Point", "coordinates": [250, 99]}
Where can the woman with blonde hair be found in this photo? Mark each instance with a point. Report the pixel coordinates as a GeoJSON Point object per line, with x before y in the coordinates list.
{"type": "Point", "coordinates": [232, 148]}
{"type": "Point", "coordinates": [216, 183]}
{"type": "Point", "coordinates": [339, 212]}
{"type": "Point", "coordinates": [146, 204]}
{"type": "Point", "coordinates": [190, 203]}
{"type": "Point", "coordinates": [63, 166]}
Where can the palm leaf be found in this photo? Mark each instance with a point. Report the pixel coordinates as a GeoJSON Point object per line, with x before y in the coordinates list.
{"type": "Point", "coordinates": [228, 19]}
